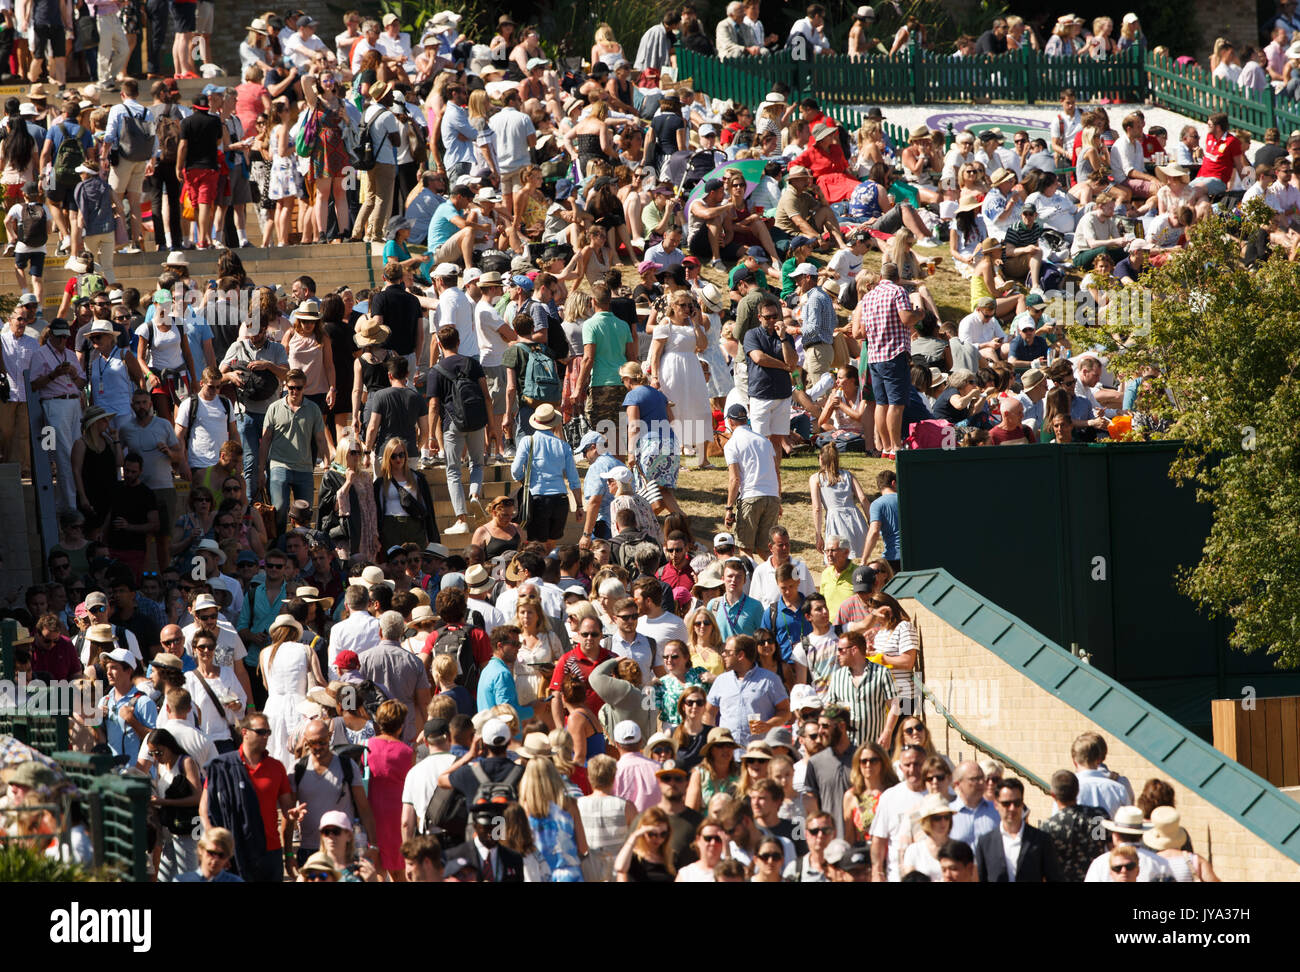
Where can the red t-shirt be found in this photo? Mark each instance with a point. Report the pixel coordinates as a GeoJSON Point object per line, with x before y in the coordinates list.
{"type": "Point", "coordinates": [999, 436]}
{"type": "Point", "coordinates": [270, 781]}
{"type": "Point", "coordinates": [1221, 156]}
{"type": "Point", "coordinates": [584, 665]}
{"type": "Point", "coordinates": [1150, 145]}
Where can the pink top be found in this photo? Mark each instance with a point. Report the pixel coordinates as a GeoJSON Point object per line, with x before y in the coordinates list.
{"type": "Point", "coordinates": [306, 353]}
{"type": "Point", "coordinates": [248, 105]}
{"type": "Point", "coordinates": [390, 761]}
{"type": "Point", "coordinates": [635, 781]}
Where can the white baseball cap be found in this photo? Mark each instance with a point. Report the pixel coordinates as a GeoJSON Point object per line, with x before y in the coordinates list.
{"type": "Point", "coordinates": [495, 733]}
{"type": "Point", "coordinates": [627, 733]}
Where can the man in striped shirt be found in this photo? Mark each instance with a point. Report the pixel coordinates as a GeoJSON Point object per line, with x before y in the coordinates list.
{"type": "Point", "coordinates": [866, 690]}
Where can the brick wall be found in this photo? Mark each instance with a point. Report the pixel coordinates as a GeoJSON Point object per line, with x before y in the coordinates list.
{"type": "Point", "coordinates": [998, 704]}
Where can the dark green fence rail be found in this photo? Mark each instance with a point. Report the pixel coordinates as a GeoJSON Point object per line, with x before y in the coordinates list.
{"type": "Point", "coordinates": [119, 808]}
{"type": "Point", "coordinates": [916, 76]}
{"type": "Point", "coordinates": [1027, 77]}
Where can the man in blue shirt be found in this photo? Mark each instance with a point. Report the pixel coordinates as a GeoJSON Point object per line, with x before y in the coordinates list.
{"type": "Point", "coordinates": [736, 612]}
{"type": "Point", "coordinates": [496, 683]}
{"type": "Point", "coordinates": [458, 135]}
{"type": "Point", "coordinates": [973, 815]}
{"type": "Point", "coordinates": [603, 470]}
{"type": "Point", "coordinates": [883, 516]}
{"type": "Point", "coordinates": [747, 699]}
{"type": "Point", "coordinates": [451, 232]}
{"type": "Point", "coordinates": [130, 714]}
{"type": "Point", "coordinates": [816, 315]}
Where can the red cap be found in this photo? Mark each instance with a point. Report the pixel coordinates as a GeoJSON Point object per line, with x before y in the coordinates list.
{"type": "Point", "coordinates": [347, 660]}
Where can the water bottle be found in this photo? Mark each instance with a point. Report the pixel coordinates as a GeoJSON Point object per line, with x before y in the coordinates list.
{"type": "Point", "coordinates": [360, 841]}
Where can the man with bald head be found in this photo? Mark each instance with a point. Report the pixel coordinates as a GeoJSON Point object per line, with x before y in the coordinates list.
{"type": "Point", "coordinates": [1011, 430]}
{"type": "Point", "coordinates": [973, 816]}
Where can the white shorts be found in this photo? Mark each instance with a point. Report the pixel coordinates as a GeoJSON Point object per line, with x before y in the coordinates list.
{"type": "Point", "coordinates": [769, 416]}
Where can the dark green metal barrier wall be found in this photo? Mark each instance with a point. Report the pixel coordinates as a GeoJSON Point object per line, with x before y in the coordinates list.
{"type": "Point", "coordinates": [1083, 542]}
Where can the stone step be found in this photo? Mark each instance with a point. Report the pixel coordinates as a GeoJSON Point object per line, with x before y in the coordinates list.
{"type": "Point", "coordinates": [188, 87]}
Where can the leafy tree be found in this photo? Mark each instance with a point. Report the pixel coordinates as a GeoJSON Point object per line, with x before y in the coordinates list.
{"type": "Point", "coordinates": [1222, 333]}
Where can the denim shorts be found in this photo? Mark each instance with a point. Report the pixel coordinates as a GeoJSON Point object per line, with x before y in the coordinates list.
{"type": "Point", "coordinates": [891, 380]}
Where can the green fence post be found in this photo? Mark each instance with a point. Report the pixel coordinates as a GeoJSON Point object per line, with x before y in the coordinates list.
{"type": "Point", "coordinates": [1272, 107]}
{"type": "Point", "coordinates": [1029, 77]}
{"type": "Point", "coordinates": [918, 82]}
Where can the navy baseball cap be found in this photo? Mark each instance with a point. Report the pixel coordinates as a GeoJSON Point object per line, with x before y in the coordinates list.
{"type": "Point", "coordinates": [759, 254]}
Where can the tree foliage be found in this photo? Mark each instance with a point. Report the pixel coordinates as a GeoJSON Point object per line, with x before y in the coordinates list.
{"type": "Point", "coordinates": [1223, 335]}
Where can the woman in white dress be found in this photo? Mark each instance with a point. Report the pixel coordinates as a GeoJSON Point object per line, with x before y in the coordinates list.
{"type": "Point", "coordinates": [676, 371]}
{"type": "Point", "coordinates": [285, 183]}
{"type": "Point", "coordinates": [838, 502]}
{"type": "Point", "coordinates": [289, 668]}
{"type": "Point", "coordinates": [719, 378]}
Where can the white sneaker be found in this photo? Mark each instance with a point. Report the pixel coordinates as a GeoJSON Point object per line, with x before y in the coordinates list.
{"type": "Point", "coordinates": [460, 526]}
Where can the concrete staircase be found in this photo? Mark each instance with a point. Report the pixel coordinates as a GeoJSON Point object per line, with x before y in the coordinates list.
{"type": "Point", "coordinates": [189, 88]}
{"type": "Point", "coordinates": [331, 266]}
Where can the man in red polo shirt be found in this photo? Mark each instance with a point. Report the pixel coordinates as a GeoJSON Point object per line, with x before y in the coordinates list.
{"type": "Point", "coordinates": [1224, 154]}
{"type": "Point", "coordinates": [198, 163]}
{"type": "Point", "coordinates": [271, 783]}
{"type": "Point", "coordinates": [589, 653]}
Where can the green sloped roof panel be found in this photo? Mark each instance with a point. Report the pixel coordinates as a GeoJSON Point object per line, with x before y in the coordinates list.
{"type": "Point", "coordinates": [1114, 709]}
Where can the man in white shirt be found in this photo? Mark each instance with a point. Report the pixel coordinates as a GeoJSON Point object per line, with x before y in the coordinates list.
{"type": "Point", "coordinates": [515, 138]}
{"type": "Point", "coordinates": [757, 33]}
{"type": "Point", "coordinates": [762, 586]}
{"type": "Point", "coordinates": [663, 626]}
{"type": "Point", "coordinates": [1067, 124]}
{"type": "Point", "coordinates": [479, 584]}
{"type": "Point", "coordinates": [304, 49]}
{"type": "Point", "coordinates": [177, 716]}
{"type": "Point", "coordinates": [753, 483]}
{"type": "Point", "coordinates": [810, 28]}
{"type": "Point", "coordinates": [359, 631]}
{"type": "Point", "coordinates": [422, 780]}
{"type": "Point", "coordinates": [377, 182]}
{"type": "Point", "coordinates": [18, 348]}
{"type": "Point", "coordinates": [894, 815]}
{"type": "Point", "coordinates": [395, 45]}
{"type": "Point", "coordinates": [351, 34]}
{"type": "Point", "coordinates": [212, 419]}
{"type": "Point", "coordinates": [525, 572]}
{"type": "Point", "coordinates": [1127, 161]}
{"type": "Point", "coordinates": [455, 309]}
{"type": "Point", "coordinates": [369, 42]}
{"type": "Point", "coordinates": [1127, 827]}
{"type": "Point", "coordinates": [493, 336]}
{"type": "Point", "coordinates": [981, 328]}
{"type": "Point", "coordinates": [846, 262]}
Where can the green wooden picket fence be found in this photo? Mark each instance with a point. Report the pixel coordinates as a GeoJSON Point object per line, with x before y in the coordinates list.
{"type": "Point", "coordinates": [917, 76]}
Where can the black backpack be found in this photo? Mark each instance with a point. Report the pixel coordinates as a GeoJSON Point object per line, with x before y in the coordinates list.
{"type": "Point", "coordinates": [492, 791]}
{"type": "Point", "coordinates": [447, 815]}
{"type": "Point", "coordinates": [466, 407]}
{"type": "Point", "coordinates": [258, 386]}
{"type": "Point", "coordinates": [69, 157]}
{"type": "Point", "coordinates": [367, 151]}
{"type": "Point", "coordinates": [458, 641]}
{"type": "Point", "coordinates": [136, 139]}
{"type": "Point", "coordinates": [33, 225]}
{"type": "Point", "coordinates": [626, 551]}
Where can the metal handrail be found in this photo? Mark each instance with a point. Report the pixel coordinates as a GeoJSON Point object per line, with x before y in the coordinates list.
{"type": "Point", "coordinates": [1021, 771]}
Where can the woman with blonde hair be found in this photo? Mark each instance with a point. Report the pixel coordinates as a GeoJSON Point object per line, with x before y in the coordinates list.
{"type": "Point", "coordinates": [717, 773]}
{"type": "Point", "coordinates": [838, 502]}
{"type": "Point", "coordinates": [554, 819]}
{"type": "Point", "coordinates": [753, 767]}
{"type": "Point", "coordinates": [871, 148]}
{"type": "Point", "coordinates": [539, 647]}
{"type": "Point", "coordinates": [403, 502]}
{"type": "Point", "coordinates": [309, 350]}
{"type": "Point", "coordinates": [870, 775]}
{"type": "Point", "coordinates": [911, 275]}
{"type": "Point", "coordinates": [346, 511]}
{"type": "Point", "coordinates": [606, 818]}
{"type": "Point", "coordinates": [1101, 44]}
{"type": "Point", "coordinates": [577, 308]}
{"type": "Point", "coordinates": [606, 48]}
{"type": "Point", "coordinates": [646, 855]}
{"type": "Point", "coordinates": [529, 208]}
{"type": "Point", "coordinates": [705, 641]}
{"type": "Point", "coordinates": [593, 141]}
{"type": "Point", "coordinates": [935, 819]}
{"type": "Point", "coordinates": [288, 669]}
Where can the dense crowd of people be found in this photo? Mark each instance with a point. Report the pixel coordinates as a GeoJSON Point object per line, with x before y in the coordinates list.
{"type": "Point", "coordinates": [601, 267]}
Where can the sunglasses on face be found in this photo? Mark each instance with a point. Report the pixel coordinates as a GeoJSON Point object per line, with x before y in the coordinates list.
{"type": "Point", "coordinates": [771, 856]}
{"type": "Point", "coordinates": [692, 703]}
{"type": "Point", "coordinates": [936, 778]}
{"type": "Point", "coordinates": [711, 838]}
{"type": "Point", "coordinates": [260, 732]}
{"type": "Point", "coordinates": [628, 617]}
{"type": "Point", "coordinates": [1124, 866]}
{"type": "Point", "coordinates": [704, 623]}
{"type": "Point", "coordinates": [331, 831]}
{"type": "Point", "coordinates": [1011, 804]}
{"type": "Point", "coordinates": [219, 855]}
{"type": "Point", "coordinates": [316, 876]}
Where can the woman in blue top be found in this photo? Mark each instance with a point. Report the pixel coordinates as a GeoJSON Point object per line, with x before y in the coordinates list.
{"type": "Point", "coordinates": [652, 450]}
{"type": "Point", "coordinates": [397, 232]}
{"type": "Point", "coordinates": [548, 460]}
